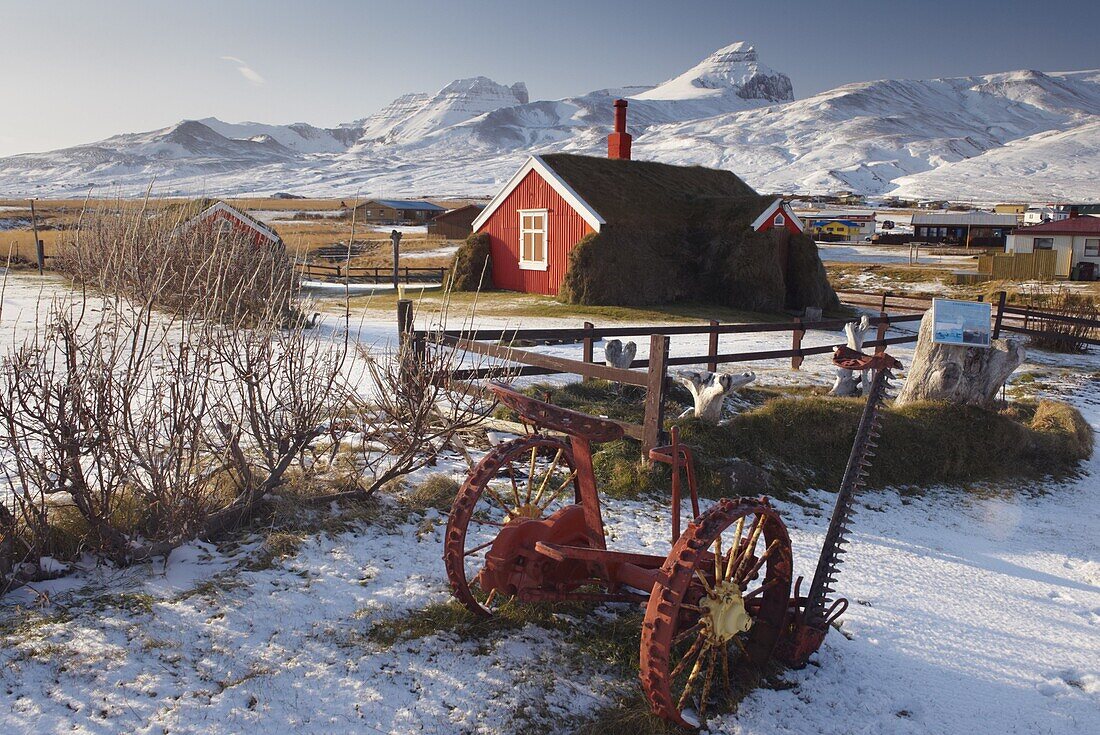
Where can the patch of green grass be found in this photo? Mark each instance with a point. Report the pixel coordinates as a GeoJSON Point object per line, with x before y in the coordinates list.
{"type": "Point", "coordinates": [436, 491]}
{"type": "Point", "coordinates": [514, 304]}
{"type": "Point", "coordinates": [453, 617]}
{"type": "Point", "coordinates": [22, 622]}
{"type": "Point", "coordinates": [787, 441]}
{"type": "Point", "coordinates": [136, 603]}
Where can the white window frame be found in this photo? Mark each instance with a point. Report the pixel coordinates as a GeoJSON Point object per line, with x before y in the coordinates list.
{"type": "Point", "coordinates": [535, 265]}
{"type": "Point", "coordinates": [1095, 244]}
{"type": "Point", "coordinates": [780, 220]}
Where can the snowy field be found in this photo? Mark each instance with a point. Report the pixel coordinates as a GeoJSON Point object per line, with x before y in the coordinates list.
{"type": "Point", "coordinates": [846, 253]}
{"type": "Point", "coordinates": [972, 612]}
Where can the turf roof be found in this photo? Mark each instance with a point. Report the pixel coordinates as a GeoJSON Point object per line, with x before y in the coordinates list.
{"type": "Point", "coordinates": [628, 191]}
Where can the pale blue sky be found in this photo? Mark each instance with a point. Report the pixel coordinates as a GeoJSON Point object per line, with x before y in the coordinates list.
{"type": "Point", "coordinates": [75, 72]}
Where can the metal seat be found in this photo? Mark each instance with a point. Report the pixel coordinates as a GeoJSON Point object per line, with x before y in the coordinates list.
{"type": "Point", "coordinates": [543, 414]}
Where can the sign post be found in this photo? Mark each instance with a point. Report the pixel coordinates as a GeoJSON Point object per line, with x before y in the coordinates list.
{"type": "Point", "coordinates": [962, 323]}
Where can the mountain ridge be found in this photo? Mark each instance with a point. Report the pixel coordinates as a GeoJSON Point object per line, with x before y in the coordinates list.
{"type": "Point", "coordinates": [998, 136]}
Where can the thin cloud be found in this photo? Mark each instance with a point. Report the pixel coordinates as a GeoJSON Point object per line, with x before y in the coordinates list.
{"type": "Point", "coordinates": [246, 71]}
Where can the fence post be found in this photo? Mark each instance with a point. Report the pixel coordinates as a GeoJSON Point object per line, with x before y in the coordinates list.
{"type": "Point", "coordinates": [883, 326]}
{"type": "Point", "coordinates": [712, 349]}
{"type": "Point", "coordinates": [395, 239]}
{"type": "Point", "coordinates": [404, 320]}
{"type": "Point", "coordinates": [652, 426]}
{"type": "Point", "coordinates": [588, 347]}
{"type": "Point", "coordinates": [404, 337]}
{"type": "Point", "coordinates": [882, 307]}
{"type": "Point", "coordinates": [796, 343]}
{"type": "Point", "coordinates": [1000, 313]}
{"type": "Point", "coordinates": [39, 251]}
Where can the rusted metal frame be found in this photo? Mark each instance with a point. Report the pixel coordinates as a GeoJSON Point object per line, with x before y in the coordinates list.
{"type": "Point", "coordinates": [565, 365]}
{"type": "Point", "coordinates": [677, 455]}
{"type": "Point", "coordinates": [590, 497]}
{"type": "Point", "coordinates": [561, 552]}
{"type": "Point", "coordinates": [656, 386]}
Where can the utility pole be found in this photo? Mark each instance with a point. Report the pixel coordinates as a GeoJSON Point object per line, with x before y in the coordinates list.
{"type": "Point", "coordinates": [39, 254]}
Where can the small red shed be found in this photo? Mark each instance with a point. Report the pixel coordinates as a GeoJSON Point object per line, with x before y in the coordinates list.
{"type": "Point", "coordinates": [221, 218]}
{"type": "Point", "coordinates": [555, 200]}
{"type": "Point", "coordinates": [779, 214]}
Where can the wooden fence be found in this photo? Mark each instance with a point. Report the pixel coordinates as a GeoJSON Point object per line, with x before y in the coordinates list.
{"type": "Point", "coordinates": [369, 274]}
{"type": "Point", "coordinates": [1038, 265]}
{"type": "Point", "coordinates": [652, 373]}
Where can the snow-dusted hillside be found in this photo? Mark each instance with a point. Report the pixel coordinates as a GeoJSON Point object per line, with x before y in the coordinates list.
{"type": "Point", "coordinates": [1023, 134]}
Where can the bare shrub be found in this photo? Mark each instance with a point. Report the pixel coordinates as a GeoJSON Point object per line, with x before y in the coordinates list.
{"type": "Point", "coordinates": [156, 256]}
{"type": "Point", "coordinates": [1062, 336]}
{"type": "Point", "coordinates": [126, 430]}
{"type": "Point", "coordinates": [406, 411]}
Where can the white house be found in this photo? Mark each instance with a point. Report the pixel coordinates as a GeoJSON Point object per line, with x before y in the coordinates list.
{"type": "Point", "coordinates": [1076, 240]}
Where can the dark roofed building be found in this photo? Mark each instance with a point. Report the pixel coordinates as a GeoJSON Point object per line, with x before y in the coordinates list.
{"type": "Point", "coordinates": [455, 224]}
{"type": "Point", "coordinates": [970, 229]}
{"type": "Point", "coordinates": [397, 211]}
{"type": "Point", "coordinates": [617, 231]}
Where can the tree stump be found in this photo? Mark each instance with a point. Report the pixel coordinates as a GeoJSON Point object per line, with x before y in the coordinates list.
{"type": "Point", "coordinates": [957, 374]}
{"type": "Point", "coordinates": [709, 390]}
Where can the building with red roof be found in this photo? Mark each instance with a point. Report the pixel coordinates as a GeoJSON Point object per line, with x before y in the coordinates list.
{"type": "Point", "coordinates": [1076, 241]}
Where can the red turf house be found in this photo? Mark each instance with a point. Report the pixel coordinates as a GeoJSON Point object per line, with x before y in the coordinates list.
{"type": "Point", "coordinates": [555, 200]}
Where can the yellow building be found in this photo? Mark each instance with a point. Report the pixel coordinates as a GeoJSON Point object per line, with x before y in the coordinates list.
{"type": "Point", "coordinates": [836, 230]}
{"type": "Point", "coordinates": [1016, 209]}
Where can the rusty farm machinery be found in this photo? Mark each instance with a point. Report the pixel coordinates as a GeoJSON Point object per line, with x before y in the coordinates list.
{"type": "Point", "coordinates": [527, 524]}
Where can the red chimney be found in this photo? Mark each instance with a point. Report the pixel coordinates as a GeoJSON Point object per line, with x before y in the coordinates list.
{"type": "Point", "coordinates": [618, 143]}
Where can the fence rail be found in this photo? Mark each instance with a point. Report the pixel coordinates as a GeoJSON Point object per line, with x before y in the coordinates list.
{"type": "Point", "coordinates": [371, 274]}
{"type": "Point", "coordinates": [652, 373]}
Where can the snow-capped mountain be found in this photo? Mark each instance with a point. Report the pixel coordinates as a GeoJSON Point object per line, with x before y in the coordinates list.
{"type": "Point", "coordinates": [1023, 134]}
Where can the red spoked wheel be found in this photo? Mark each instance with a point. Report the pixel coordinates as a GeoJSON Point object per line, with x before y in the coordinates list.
{"type": "Point", "coordinates": [716, 611]}
{"type": "Point", "coordinates": [529, 478]}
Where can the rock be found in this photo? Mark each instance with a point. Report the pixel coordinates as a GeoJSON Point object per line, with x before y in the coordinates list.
{"type": "Point", "coordinates": [618, 355]}
{"type": "Point", "coordinates": [747, 479]}
{"type": "Point", "coordinates": [709, 390]}
{"type": "Point", "coordinates": [957, 374]}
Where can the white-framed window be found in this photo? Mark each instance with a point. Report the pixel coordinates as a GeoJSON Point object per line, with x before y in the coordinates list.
{"type": "Point", "coordinates": [1092, 247]}
{"type": "Point", "coordinates": [1042, 243]}
{"type": "Point", "coordinates": [532, 239]}
{"type": "Point", "coordinates": [779, 220]}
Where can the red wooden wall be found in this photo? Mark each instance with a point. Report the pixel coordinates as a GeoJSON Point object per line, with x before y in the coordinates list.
{"type": "Point", "coordinates": [565, 228]}
{"type": "Point", "coordinates": [788, 223]}
{"type": "Point", "coordinates": [239, 227]}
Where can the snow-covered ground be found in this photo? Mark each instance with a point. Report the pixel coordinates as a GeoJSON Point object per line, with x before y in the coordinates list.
{"type": "Point", "coordinates": [972, 612]}
{"type": "Point", "coordinates": [443, 252]}
{"type": "Point", "coordinates": [403, 229]}
{"type": "Point", "coordinates": [846, 253]}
